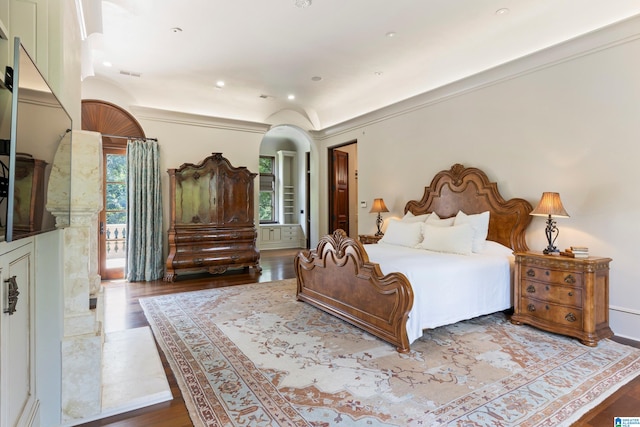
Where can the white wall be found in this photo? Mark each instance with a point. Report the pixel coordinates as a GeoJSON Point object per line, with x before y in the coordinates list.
{"type": "Point", "coordinates": [570, 125]}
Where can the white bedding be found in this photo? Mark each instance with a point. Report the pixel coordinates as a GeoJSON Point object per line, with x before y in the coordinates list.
{"type": "Point", "coordinates": [449, 288]}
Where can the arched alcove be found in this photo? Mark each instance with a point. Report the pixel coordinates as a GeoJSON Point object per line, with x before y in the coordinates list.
{"type": "Point", "coordinates": [292, 142]}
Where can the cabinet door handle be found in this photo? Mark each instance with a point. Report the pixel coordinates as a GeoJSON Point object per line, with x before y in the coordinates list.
{"type": "Point", "coordinates": [12, 292]}
{"type": "Point", "coordinates": [531, 272]}
{"type": "Point", "coordinates": [570, 317]}
{"type": "Point", "coordinates": [570, 279]}
{"type": "Point", "coordinates": [531, 289]}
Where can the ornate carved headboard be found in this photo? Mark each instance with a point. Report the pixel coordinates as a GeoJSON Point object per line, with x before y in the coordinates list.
{"type": "Point", "coordinates": [469, 190]}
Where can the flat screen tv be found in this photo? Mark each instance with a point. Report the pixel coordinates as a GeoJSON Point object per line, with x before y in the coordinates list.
{"type": "Point", "coordinates": [35, 138]}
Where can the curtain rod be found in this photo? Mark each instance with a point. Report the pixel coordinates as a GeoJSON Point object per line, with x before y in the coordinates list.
{"type": "Point", "coordinates": [130, 137]}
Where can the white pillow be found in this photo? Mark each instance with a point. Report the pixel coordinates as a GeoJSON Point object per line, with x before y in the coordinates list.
{"type": "Point", "coordinates": [479, 223]}
{"type": "Point", "coordinates": [402, 233]}
{"type": "Point", "coordinates": [435, 220]}
{"type": "Point", "coordinates": [410, 217]}
{"type": "Point", "coordinates": [456, 239]}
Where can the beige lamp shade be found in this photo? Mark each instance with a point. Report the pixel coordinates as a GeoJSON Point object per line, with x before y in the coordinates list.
{"type": "Point", "coordinates": [550, 205]}
{"type": "Point", "coordinates": [378, 206]}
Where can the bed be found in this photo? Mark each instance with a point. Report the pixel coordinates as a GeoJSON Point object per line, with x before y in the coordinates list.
{"type": "Point", "coordinates": [341, 278]}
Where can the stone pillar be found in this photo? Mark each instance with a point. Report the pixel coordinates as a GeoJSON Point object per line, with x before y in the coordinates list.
{"type": "Point", "coordinates": [83, 333]}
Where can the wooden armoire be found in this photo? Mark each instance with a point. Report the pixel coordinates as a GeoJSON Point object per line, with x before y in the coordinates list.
{"type": "Point", "coordinates": [212, 218]}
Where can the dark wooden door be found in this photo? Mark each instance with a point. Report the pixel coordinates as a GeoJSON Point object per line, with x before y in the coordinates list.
{"type": "Point", "coordinates": [339, 194]}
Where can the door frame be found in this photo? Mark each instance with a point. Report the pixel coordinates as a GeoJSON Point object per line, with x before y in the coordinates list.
{"type": "Point", "coordinates": [116, 126]}
{"type": "Point", "coordinates": [106, 273]}
{"type": "Point", "coordinates": [331, 178]}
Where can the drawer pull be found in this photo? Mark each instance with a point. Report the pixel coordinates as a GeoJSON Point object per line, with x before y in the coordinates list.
{"type": "Point", "coordinates": [570, 317]}
{"type": "Point", "coordinates": [531, 307]}
{"type": "Point", "coordinates": [570, 279]}
{"type": "Point", "coordinates": [570, 294]}
{"type": "Point", "coordinates": [198, 261]}
{"type": "Point", "coordinates": [546, 287]}
{"type": "Point", "coordinates": [531, 272]}
{"type": "Point", "coordinates": [12, 295]}
{"type": "Point", "coordinates": [235, 257]}
{"type": "Point", "coordinates": [531, 289]}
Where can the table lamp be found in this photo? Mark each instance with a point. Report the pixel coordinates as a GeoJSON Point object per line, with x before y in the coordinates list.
{"type": "Point", "coordinates": [379, 207]}
{"type": "Point", "coordinates": [550, 206]}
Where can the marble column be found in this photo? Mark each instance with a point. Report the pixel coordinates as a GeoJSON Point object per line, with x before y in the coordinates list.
{"type": "Point", "coordinates": [78, 173]}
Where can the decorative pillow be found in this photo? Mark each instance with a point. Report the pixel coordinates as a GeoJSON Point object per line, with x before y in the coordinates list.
{"type": "Point", "coordinates": [409, 217]}
{"type": "Point", "coordinates": [457, 239]}
{"type": "Point", "coordinates": [479, 223]}
{"type": "Point", "coordinates": [402, 233]}
{"type": "Point", "coordinates": [435, 220]}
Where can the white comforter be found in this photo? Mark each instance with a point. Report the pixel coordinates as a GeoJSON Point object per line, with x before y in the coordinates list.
{"type": "Point", "coordinates": [448, 288]}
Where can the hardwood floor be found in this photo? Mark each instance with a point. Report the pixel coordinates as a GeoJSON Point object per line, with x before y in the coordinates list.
{"type": "Point", "coordinates": [122, 311]}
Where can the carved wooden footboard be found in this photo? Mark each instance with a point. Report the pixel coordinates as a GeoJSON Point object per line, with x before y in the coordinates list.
{"type": "Point", "coordinates": [338, 278]}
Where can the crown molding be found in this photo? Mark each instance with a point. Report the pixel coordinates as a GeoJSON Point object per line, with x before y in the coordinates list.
{"type": "Point", "coordinates": [189, 119]}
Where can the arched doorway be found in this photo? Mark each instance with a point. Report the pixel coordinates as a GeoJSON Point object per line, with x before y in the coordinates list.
{"type": "Point", "coordinates": [116, 126]}
{"type": "Point", "coordinates": [289, 147]}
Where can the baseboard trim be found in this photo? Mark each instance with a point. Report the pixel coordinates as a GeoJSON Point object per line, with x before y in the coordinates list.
{"type": "Point", "coordinates": [625, 322]}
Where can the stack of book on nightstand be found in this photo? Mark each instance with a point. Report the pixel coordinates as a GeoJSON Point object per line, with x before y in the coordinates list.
{"type": "Point", "coordinates": [576, 252]}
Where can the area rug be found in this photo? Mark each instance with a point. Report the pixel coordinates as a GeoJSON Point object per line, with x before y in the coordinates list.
{"type": "Point", "coordinates": [252, 355]}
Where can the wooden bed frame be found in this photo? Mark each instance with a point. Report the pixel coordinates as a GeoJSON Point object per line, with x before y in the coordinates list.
{"type": "Point", "coordinates": [338, 278]}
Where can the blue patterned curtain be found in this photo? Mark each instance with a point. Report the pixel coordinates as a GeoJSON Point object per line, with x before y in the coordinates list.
{"type": "Point", "coordinates": [144, 213]}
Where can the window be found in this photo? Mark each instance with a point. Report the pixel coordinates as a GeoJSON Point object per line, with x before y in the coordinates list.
{"type": "Point", "coordinates": [267, 199]}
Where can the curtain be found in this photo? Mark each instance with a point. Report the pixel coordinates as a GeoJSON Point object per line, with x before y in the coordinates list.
{"type": "Point", "coordinates": [144, 212]}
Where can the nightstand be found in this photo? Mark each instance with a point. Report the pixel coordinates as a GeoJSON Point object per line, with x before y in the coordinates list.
{"type": "Point", "coordinates": [568, 296]}
{"type": "Point", "coordinates": [366, 239]}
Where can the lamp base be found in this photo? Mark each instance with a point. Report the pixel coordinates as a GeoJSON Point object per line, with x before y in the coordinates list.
{"type": "Point", "coordinates": [553, 251]}
{"type": "Point", "coordinates": [379, 233]}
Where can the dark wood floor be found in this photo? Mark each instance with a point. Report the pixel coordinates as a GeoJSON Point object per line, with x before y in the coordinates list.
{"type": "Point", "coordinates": [122, 311]}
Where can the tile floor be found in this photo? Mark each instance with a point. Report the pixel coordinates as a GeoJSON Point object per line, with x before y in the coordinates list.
{"type": "Point", "coordinates": [132, 373]}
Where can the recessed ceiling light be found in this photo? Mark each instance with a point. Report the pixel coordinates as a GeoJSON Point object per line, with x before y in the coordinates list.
{"type": "Point", "coordinates": [291, 97]}
{"type": "Point", "coordinates": [316, 78]}
{"type": "Point", "coordinates": [220, 83]}
{"type": "Point", "coordinates": [107, 64]}
{"type": "Point", "coordinates": [391, 34]}
{"type": "Point", "coordinates": [502, 11]}
{"type": "Point", "coordinates": [302, 3]}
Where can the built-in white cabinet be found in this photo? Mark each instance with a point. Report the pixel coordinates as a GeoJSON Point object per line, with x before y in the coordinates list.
{"type": "Point", "coordinates": [18, 403]}
{"type": "Point", "coordinates": [281, 236]}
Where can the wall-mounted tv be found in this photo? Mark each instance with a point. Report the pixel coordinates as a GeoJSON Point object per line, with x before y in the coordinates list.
{"type": "Point", "coordinates": [31, 133]}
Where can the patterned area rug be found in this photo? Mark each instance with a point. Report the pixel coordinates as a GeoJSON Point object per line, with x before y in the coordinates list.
{"type": "Point", "coordinates": [252, 355]}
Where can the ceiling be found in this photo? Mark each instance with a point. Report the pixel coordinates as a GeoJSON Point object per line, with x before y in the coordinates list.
{"type": "Point", "coordinates": [340, 58]}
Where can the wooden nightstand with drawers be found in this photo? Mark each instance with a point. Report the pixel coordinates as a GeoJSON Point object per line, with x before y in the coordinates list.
{"type": "Point", "coordinates": [564, 295]}
{"type": "Point", "coordinates": [367, 239]}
